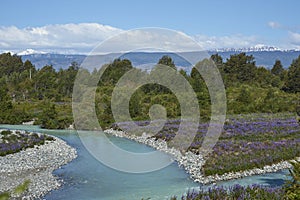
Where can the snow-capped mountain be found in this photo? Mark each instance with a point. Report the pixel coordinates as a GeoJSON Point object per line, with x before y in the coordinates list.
{"type": "Point", "coordinates": [30, 52]}
{"type": "Point", "coordinates": [266, 57]}
{"type": "Point", "coordinates": [256, 48]}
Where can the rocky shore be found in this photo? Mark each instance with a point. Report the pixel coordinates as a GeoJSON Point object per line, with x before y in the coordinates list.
{"type": "Point", "coordinates": [193, 163]}
{"type": "Point", "coordinates": [36, 165]}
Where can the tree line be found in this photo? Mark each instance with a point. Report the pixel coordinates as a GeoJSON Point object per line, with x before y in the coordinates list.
{"type": "Point", "coordinates": [45, 94]}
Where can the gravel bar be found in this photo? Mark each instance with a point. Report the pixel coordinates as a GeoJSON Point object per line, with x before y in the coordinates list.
{"type": "Point", "coordinates": [35, 164]}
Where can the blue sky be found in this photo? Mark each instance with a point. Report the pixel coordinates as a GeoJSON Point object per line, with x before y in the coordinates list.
{"type": "Point", "coordinates": [217, 24]}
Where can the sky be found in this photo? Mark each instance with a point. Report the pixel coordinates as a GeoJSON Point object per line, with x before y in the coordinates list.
{"type": "Point", "coordinates": [78, 26]}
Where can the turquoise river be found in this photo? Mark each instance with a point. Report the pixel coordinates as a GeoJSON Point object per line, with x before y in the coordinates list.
{"type": "Point", "coordinates": [87, 178]}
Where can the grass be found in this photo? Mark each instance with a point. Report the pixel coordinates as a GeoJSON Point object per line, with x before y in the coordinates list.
{"type": "Point", "coordinates": [16, 192]}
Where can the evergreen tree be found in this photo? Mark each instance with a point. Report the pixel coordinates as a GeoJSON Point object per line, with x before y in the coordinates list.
{"type": "Point", "coordinates": [240, 67]}
{"type": "Point", "coordinates": [114, 71]}
{"type": "Point", "coordinates": [10, 63]}
{"type": "Point", "coordinates": [46, 82]}
{"type": "Point", "coordinates": [277, 68]}
{"type": "Point", "coordinates": [197, 81]}
{"type": "Point", "coordinates": [293, 77]}
{"type": "Point", "coordinates": [66, 80]}
{"type": "Point", "coordinates": [5, 100]}
{"type": "Point", "coordinates": [48, 118]}
{"type": "Point", "coordinates": [218, 60]}
{"type": "Point", "coordinates": [167, 60]}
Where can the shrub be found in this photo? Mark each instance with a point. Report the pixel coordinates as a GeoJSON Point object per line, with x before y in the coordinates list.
{"type": "Point", "coordinates": [292, 187]}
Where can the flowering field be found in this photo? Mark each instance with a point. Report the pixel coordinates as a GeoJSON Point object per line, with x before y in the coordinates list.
{"type": "Point", "coordinates": [254, 141]}
{"type": "Point", "coordinates": [235, 192]}
{"type": "Point", "coordinates": [247, 141]}
{"type": "Point", "coordinates": [289, 191]}
{"type": "Point", "coordinates": [12, 142]}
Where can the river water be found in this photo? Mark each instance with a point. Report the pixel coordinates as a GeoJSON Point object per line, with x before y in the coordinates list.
{"type": "Point", "coordinates": [87, 178]}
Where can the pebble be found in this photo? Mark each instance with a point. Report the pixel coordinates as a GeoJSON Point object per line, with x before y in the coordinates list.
{"type": "Point", "coordinates": [35, 164]}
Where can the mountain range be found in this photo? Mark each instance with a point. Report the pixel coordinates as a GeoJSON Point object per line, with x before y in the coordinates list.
{"type": "Point", "coordinates": [265, 58]}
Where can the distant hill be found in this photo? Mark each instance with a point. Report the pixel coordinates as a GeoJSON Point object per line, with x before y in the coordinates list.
{"type": "Point", "coordinates": [56, 60]}
{"type": "Point", "coordinates": [266, 58]}
{"type": "Point", "coordinates": [262, 58]}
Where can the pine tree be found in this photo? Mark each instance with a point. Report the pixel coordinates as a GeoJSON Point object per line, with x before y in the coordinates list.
{"type": "Point", "coordinates": [167, 60]}
{"type": "Point", "coordinates": [293, 77]}
{"type": "Point", "coordinates": [277, 68]}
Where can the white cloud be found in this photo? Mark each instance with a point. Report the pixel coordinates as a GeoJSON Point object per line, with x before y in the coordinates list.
{"type": "Point", "coordinates": [83, 37]}
{"type": "Point", "coordinates": [294, 39]}
{"type": "Point", "coordinates": [60, 37]}
{"type": "Point", "coordinates": [291, 40]}
{"type": "Point", "coordinates": [233, 41]}
{"type": "Point", "coordinates": [274, 25]}
{"type": "Point", "coordinates": [152, 39]}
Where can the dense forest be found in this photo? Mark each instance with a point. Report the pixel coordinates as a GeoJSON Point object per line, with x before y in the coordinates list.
{"type": "Point", "coordinates": [45, 94]}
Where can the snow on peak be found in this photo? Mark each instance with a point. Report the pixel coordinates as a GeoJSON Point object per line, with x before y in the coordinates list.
{"type": "Point", "coordinates": [262, 47]}
{"type": "Point", "coordinates": [258, 47]}
{"type": "Point", "coordinates": [30, 51]}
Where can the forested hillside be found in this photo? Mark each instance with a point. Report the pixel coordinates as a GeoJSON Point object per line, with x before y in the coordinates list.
{"type": "Point", "coordinates": [45, 94]}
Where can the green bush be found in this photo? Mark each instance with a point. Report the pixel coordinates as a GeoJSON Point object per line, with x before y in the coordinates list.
{"type": "Point", "coordinates": [18, 191]}
{"type": "Point", "coordinates": [292, 187]}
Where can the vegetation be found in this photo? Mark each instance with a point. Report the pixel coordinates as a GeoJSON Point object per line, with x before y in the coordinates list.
{"type": "Point", "coordinates": [253, 143]}
{"type": "Point", "coordinates": [248, 141]}
{"type": "Point", "coordinates": [292, 187]}
{"type": "Point", "coordinates": [16, 192]}
{"type": "Point", "coordinates": [298, 112]}
{"type": "Point", "coordinates": [291, 191]}
{"type": "Point", "coordinates": [44, 94]}
{"type": "Point", "coordinates": [236, 192]}
{"type": "Point", "coordinates": [12, 142]}
{"type": "Point", "coordinates": [51, 118]}
{"type": "Point", "coordinates": [253, 140]}
{"type": "Point", "coordinates": [24, 89]}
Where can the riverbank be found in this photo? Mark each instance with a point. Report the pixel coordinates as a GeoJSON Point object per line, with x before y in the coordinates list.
{"type": "Point", "coordinates": [193, 163]}
{"type": "Point", "coordinates": [35, 164]}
